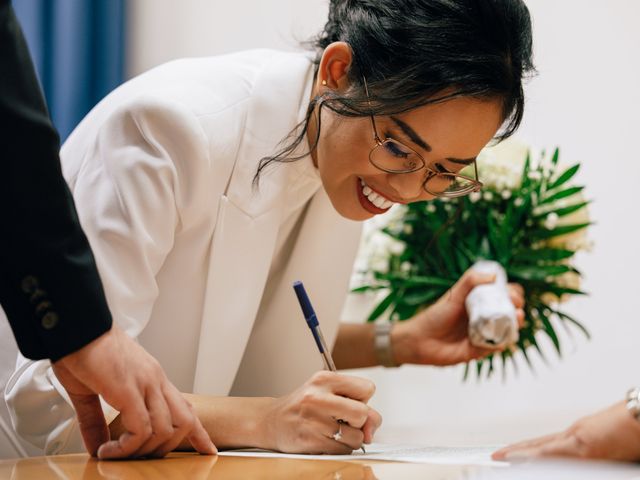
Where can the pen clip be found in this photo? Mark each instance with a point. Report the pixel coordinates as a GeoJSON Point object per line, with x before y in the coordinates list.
{"type": "Point", "coordinates": [305, 304]}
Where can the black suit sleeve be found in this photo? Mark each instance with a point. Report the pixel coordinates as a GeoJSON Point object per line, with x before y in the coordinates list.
{"type": "Point", "coordinates": [49, 285]}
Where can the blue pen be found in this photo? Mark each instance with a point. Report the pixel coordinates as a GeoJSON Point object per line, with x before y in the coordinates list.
{"type": "Point", "coordinates": [314, 326]}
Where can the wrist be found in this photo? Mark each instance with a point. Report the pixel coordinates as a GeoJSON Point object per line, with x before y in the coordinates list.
{"type": "Point", "coordinates": [231, 422]}
{"type": "Point", "coordinates": [261, 426]}
{"type": "Point", "coordinates": [79, 357]}
{"type": "Point", "coordinates": [382, 347]}
{"type": "Point", "coordinates": [403, 343]}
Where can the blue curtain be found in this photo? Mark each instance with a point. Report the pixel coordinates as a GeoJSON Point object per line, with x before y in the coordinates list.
{"type": "Point", "coordinates": [78, 50]}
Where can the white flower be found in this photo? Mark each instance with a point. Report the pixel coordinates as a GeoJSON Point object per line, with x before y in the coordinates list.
{"type": "Point", "coordinates": [535, 175]}
{"type": "Point", "coordinates": [488, 196]}
{"type": "Point", "coordinates": [500, 166]}
{"type": "Point", "coordinates": [375, 246]}
{"type": "Point", "coordinates": [431, 208]}
{"type": "Point", "coordinates": [475, 196]}
{"type": "Point", "coordinates": [408, 229]}
{"type": "Point", "coordinates": [379, 264]}
{"type": "Point", "coordinates": [518, 202]}
{"type": "Point", "coordinates": [551, 221]}
{"type": "Point", "coordinates": [395, 247]}
{"type": "Point", "coordinates": [405, 267]}
{"type": "Point", "coordinates": [506, 194]}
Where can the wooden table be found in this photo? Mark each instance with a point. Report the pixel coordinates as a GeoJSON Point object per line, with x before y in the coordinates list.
{"type": "Point", "coordinates": [195, 467]}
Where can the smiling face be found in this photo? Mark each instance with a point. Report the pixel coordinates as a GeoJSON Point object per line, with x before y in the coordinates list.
{"type": "Point", "coordinates": [446, 135]}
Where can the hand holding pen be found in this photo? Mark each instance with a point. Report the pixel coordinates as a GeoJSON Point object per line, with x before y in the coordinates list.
{"type": "Point", "coordinates": [314, 326]}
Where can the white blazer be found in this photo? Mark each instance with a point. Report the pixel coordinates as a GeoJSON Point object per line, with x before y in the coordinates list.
{"type": "Point", "coordinates": [161, 172]}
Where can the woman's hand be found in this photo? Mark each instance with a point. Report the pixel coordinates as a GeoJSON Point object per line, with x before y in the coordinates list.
{"type": "Point", "coordinates": [611, 434]}
{"type": "Point", "coordinates": [439, 334]}
{"type": "Point", "coordinates": [306, 420]}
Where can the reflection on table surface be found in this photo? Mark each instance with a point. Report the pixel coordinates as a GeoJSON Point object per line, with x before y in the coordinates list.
{"type": "Point", "coordinates": [196, 467]}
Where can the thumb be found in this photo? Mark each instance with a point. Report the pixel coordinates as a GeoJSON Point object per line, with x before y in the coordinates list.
{"type": "Point", "coordinates": [91, 420]}
{"type": "Point", "coordinates": [469, 280]}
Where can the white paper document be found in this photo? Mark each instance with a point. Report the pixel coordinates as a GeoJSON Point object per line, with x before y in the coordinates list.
{"type": "Point", "coordinates": [393, 453]}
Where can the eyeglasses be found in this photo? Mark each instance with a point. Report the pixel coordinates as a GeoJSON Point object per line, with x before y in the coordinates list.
{"type": "Point", "coordinates": [391, 156]}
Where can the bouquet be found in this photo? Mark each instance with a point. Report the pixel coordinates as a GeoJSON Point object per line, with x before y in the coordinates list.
{"type": "Point", "coordinates": [529, 217]}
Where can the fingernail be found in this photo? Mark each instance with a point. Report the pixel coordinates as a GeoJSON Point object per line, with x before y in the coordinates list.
{"type": "Point", "coordinates": [99, 453]}
{"type": "Point", "coordinates": [516, 456]}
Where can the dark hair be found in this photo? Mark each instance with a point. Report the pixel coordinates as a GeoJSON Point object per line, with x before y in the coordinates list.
{"type": "Point", "coordinates": [412, 51]}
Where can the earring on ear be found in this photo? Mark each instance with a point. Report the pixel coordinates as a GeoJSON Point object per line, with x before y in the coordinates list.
{"type": "Point", "coordinates": [324, 83]}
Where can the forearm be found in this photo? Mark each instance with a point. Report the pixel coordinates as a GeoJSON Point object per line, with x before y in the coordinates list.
{"type": "Point", "coordinates": [354, 346]}
{"type": "Point", "coordinates": [231, 422]}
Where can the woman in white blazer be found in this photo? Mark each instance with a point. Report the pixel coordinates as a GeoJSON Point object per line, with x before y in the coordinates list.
{"type": "Point", "coordinates": [206, 186]}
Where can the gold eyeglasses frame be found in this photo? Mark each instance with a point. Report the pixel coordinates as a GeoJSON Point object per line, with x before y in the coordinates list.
{"type": "Point", "coordinates": [474, 184]}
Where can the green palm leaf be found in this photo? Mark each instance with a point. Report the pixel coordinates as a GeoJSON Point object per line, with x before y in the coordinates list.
{"type": "Point", "coordinates": [565, 177]}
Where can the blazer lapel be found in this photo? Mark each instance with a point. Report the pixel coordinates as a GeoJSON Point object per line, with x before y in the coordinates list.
{"type": "Point", "coordinates": [283, 355]}
{"type": "Point", "coordinates": [240, 243]}
{"type": "Point", "coordinates": [247, 226]}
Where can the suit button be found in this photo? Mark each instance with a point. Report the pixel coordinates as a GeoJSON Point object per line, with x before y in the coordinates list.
{"type": "Point", "coordinates": [43, 307]}
{"type": "Point", "coordinates": [29, 284]}
{"type": "Point", "coordinates": [49, 320]}
{"type": "Point", "coordinates": [38, 294]}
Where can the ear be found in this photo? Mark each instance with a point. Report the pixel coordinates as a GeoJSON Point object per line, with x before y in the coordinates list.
{"type": "Point", "coordinates": [334, 66]}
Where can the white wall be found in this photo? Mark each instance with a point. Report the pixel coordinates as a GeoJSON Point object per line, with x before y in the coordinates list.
{"type": "Point", "coordinates": [161, 30]}
{"type": "Point", "coordinates": [585, 99]}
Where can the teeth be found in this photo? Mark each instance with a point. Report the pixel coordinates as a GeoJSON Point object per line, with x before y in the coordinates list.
{"type": "Point", "coordinates": [378, 200]}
